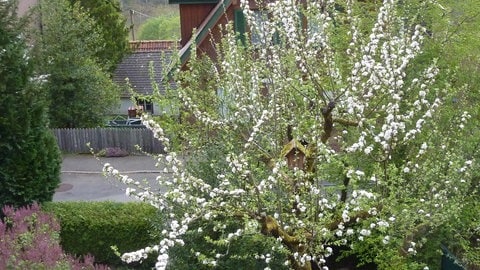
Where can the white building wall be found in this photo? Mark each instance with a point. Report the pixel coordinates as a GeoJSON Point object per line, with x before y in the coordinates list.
{"type": "Point", "coordinates": [125, 103]}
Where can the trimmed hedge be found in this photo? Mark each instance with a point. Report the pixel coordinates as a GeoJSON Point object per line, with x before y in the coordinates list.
{"type": "Point", "coordinates": [93, 227]}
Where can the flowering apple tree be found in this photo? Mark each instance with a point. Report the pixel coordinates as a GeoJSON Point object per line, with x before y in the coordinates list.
{"type": "Point", "coordinates": [323, 133]}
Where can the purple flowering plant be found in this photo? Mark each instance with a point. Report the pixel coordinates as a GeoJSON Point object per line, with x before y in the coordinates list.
{"type": "Point", "coordinates": [30, 239]}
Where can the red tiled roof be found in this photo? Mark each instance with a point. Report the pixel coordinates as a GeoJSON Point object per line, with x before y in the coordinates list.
{"type": "Point", "coordinates": [154, 45]}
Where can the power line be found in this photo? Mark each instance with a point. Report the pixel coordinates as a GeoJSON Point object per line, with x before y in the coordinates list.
{"type": "Point", "coordinates": [140, 13]}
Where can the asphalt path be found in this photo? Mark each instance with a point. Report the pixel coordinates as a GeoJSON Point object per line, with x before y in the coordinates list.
{"type": "Point", "coordinates": [83, 180]}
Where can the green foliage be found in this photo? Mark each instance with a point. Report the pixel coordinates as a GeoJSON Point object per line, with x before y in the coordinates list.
{"type": "Point", "coordinates": [80, 90]}
{"type": "Point", "coordinates": [165, 27]}
{"type": "Point", "coordinates": [94, 227]}
{"type": "Point", "coordinates": [30, 159]}
{"type": "Point", "coordinates": [112, 28]}
{"type": "Point", "coordinates": [137, 12]}
{"type": "Point", "coordinates": [244, 251]}
{"type": "Point", "coordinates": [80, 95]}
{"type": "Point", "coordinates": [457, 41]}
{"type": "Point", "coordinates": [460, 234]}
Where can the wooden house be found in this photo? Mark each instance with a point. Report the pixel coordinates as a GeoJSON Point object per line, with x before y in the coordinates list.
{"type": "Point", "coordinates": [296, 154]}
{"type": "Point", "coordinates": [205, 17]}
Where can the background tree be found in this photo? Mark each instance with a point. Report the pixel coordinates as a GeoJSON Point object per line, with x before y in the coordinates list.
{"type": "Point", "coordinates": [334, 133]}
{"type": "Point", "coordinates": [137, 12]}
{"type": "Point", "coordinates": [166, 27]}
{"type": "Point", "coordinates": [454, 40]}
{"type": "Point", "coordinates": [80, 89]}
{"type": "Point", "coordinates": [30, 159]}
{"type": "Point", "coordinates": [111, 27]}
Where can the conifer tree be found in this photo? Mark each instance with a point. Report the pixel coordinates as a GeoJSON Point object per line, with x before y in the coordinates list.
{"type": "Point", "coordinates": [29, 155]}
{"type": "Point", "coordinates": [112, 27]}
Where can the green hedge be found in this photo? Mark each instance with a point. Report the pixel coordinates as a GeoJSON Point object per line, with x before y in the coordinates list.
{"type": "Point", "coordinates": [93, 227]}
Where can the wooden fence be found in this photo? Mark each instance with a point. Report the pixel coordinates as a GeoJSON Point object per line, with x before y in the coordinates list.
{"type": "Point", "coordinates": [75, 140]}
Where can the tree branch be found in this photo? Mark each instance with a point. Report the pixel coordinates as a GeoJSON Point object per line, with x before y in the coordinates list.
{"type": "Point", "coordinates": [328, 121]}
{"type": "Point", "coordinates": [345, 122]}
{"type": "Point", "coordinates": [270, 227]}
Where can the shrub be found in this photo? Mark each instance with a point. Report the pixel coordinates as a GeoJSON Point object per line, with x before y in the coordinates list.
{"type": "Point", "coordinates": [244, 250]}
{"type": "Point", "coordinates": [112, 152]}
{"type": "Point", "coordinates": [461, 235]}
{"type": "Point", "coordinates": [94, 227]}
{"type": "Point", "coordinates": [29, 239]}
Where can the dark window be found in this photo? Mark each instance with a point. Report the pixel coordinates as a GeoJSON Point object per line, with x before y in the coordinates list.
{"type": "Point", "coordinates": [146, 105]}
{"type": "Point", "coordinates": [240, 24]}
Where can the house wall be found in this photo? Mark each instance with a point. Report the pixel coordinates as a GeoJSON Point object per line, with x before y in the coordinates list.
{"type": "Point", "coordinates": [126, 102]}
{"type": "Point", "coordinates": [191, 16]}
{"type": "Point", "coordinates": [216, 34]}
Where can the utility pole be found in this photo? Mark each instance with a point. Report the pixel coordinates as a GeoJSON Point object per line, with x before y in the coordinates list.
{"type": "Point", "coordinates": [40, 23]}
{"type": "Point", "coordinates": [132, 24]}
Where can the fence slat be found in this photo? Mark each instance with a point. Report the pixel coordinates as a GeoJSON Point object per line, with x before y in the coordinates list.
{"type": "Point", "coordinates": [74, 140]}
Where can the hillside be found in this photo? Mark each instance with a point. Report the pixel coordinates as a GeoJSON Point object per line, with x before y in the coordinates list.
{"type": "Point", "coordinates": [137, 12]}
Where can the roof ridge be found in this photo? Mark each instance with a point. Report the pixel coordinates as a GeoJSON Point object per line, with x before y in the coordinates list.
{"type": "Point", "coordinates": [154, 45]}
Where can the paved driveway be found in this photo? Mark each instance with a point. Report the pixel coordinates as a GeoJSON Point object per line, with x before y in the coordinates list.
{"type": "Point", "coordinates": [82, 178]}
